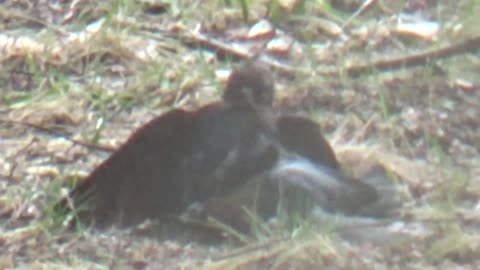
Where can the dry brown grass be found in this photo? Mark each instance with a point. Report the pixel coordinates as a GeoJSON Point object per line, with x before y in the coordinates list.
{"type": "Point", "coordinates": [97, 71]}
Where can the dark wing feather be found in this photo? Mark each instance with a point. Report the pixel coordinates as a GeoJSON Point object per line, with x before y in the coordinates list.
{"type": "Point", "coordinates": [229, 150]}
{"type": "Point", "coordinates": [173, 161]}
{"type": "Point", "coordinates": [138, 180]}
{"type": "Point", "coordinates": [303, 137]}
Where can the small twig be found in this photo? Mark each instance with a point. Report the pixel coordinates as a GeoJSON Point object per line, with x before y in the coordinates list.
{"type": "Point", "coordinates": [251, 248]}
{"type": "Point", "coordinates": [197, 38]}
{"type": "Point", "coordinates": [56, 133]}
{"type": "Point", "coordinates": [13, 162]}
{"type": "Point", "coordinates": [7, 13]}
{"type": "Point", "coordinates": [469, 45]}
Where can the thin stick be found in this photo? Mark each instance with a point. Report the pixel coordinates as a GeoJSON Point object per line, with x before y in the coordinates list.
{"type": "Point", "coordinates": [469, 45]}
{"type": "Point", "coordinates": [56, 133]}
{"type": "Point", "coordinates": [8, 13]}
{"type": "Point", "coordinates": [418, 59]}
{"type": "Point", "coordinates": [251, 248]}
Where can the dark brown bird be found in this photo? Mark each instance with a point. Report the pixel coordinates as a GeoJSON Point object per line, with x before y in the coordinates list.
{"type": "Point", "coordinates": [186, 157]}
{"type": "Point", "coordinates": [182, 157]}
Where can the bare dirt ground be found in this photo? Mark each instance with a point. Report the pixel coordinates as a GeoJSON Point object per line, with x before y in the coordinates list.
{"type": "Point", "coordinates": [96, 70]}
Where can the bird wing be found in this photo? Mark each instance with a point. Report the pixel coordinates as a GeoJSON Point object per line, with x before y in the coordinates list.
{"type": "Point", "coordinates": [137, 181]}
{"type": "Point", "coordinates": [171, 162]}
{"type": "Point", "coordinates": [304, 137]}
{"type": "Point", "coordinates": [313, 164]}
{"type": "Point", "coordinates": [229, 149]}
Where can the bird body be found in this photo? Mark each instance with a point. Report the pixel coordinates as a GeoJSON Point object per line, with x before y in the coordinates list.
{"type": "Point", "coordinates": [174, 160]}
{"type": "Point", "coordinates": [211, 155]}
{"type": "Point", "coordinates": [179, 158]}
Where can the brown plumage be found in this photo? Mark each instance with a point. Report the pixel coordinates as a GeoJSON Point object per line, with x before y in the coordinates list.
{"type": "Point", "coordinates": [181, 157]}
{"type": "Point", "coordinates": [306, 174]}
{"type": "Point", "coordinates": [303, 136]}
{"type": "Point", "coordinates": [210, 155]}
{"type": "Point", "coordinates": [310, 163]}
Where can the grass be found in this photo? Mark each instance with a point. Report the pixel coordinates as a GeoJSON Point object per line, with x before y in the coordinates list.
{"type": "Point", "coordinates": [101, 89]}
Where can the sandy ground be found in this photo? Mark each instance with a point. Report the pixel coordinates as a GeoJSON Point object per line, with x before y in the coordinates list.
{"type": "Point", "coordinates": [95, 72]}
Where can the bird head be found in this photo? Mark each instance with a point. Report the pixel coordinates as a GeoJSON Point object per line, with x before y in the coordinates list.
{"type": "Point", "coordinates": [250, 86]}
